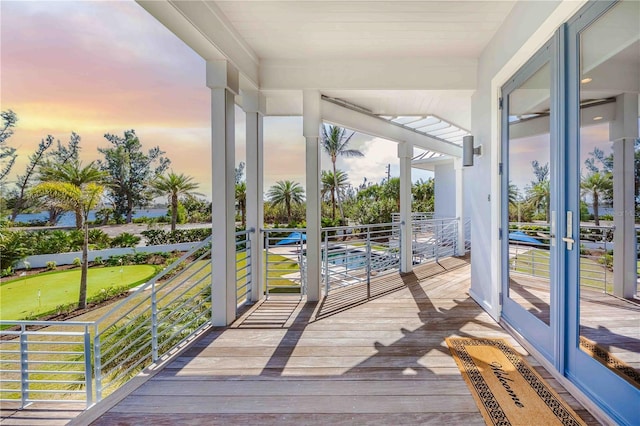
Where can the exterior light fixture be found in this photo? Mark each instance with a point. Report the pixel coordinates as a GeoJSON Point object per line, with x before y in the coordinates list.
{"type": "Point", "coordinates": [468, 150]}
{"type": "Point", "coordinates": [599, 117]}
{"type": "Point", "coordinates": [586, 80]}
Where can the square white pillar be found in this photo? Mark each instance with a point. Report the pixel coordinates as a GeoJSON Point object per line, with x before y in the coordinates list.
{"type": "Point", "coordinates": [311, 129]}
{"type": "Point", "coordinates": [254, 105]}
{"type": "Point", "coordinates": [460, 206]}
{"type": "Point", "coordinates": [405, 154]}
{"type": "Point", "coordinates": [222, 79]}
{"type": "Point", "coordinates": [623, 131]}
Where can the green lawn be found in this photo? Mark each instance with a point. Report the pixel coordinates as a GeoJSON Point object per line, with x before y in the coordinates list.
{"type": "Point", "coordinates": [19, 297]}
{"type": "Point", "coordinates": [536, 262]}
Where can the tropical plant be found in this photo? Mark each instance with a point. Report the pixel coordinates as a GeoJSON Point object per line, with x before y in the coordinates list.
{"type": "Point", "coordinates": [334, 184]}
{"type": "Point", "coordinates": [85, 198]}
{"type": "Point", "coordinates": [241, 201]}
{"type": "Point", "coordinates": [131, 171]}
{"type": "Point", "coordinates": [335, 142]}
{"type": "Point", "coordinates": [423, 195]}
{"type": "Point", "coordinates": [125, 240]}
{"type": "Point", "coordinates": [74, 173]}
{"type": "Point", "coordinates": [596, 185]}
{"type": "Point", "coordinates": [285, 193]}
{"type": "Point", "coordinates": [7, 154]}
{"type": "Point", "coordinates": [514, 194]}
{"type": "Point", "coordinates": [539, 197]}
{"type": "Point", "coordinates": [24, 181]}
{"type": "Point", "coordinates": [174, 185]}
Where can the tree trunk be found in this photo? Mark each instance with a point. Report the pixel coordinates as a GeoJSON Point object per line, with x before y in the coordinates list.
{"type": "Point", "coordinates": [333, 204]}
{"type": "Point", "coordinates": [596, 217]}
{"type": "Point", "coordinates": [79, 219]}
{"type": "Point", "coordinates": [129, 210]}
{"type": "Point", "coordinates": [82, 300]}
{"type": "Point", "coordinates": [174, 211]}
{"type": "Point", "coordinates": [335, 186]}
{"type": "Point", "coordinates": [243, 212]}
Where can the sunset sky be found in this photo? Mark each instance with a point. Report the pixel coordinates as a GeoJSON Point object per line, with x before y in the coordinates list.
{"type": "Point", "coordinates": [105, 67]}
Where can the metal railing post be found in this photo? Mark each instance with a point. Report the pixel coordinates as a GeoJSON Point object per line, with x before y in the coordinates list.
{"type": "Point", "coordinates": [368, 262]}
{"type": "Point", "coordinates": [326, 263]}
{"type": "Point", "coordinates": [24, 367]}
{"type": "Point", "coordinates": [266, 263]}
{"type": "Point", "coordinates": [97, 364]}
{"type": "Point", "coordinates": [88, 379]}
{"type": "Point", "coordinates": [154, 324]}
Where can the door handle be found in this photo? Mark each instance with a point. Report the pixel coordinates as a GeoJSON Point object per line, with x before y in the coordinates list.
{"type": "Point", "coordinates": [569, 238]}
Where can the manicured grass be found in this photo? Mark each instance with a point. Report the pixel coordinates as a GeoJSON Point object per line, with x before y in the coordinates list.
{"type": "Point", "coordinates": [19, 297]}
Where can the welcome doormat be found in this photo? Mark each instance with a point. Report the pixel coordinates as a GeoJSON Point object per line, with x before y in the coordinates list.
{"type": "Point", "coordinates": [506, 389]}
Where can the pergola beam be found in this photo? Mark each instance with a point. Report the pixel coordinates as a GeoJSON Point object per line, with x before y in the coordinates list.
{"type": "Point", "coordinates": [375, 126]}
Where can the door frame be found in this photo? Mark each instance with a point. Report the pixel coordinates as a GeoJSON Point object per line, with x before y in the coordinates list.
{"type": "Point", "coordinates": [589, 375]}
{"type": "Point", "coordinates": [542, 336]}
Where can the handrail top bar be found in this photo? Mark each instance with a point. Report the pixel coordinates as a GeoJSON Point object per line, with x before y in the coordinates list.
{"type": "Point", "coordinates": [246, 231]}
{"type": "Point", "coordinates": [46, 323]}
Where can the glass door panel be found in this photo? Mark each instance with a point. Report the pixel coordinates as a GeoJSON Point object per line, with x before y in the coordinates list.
{"type": "Point", "coordinates": [528, 252]}
{"type": "Point", "coordinates": [609, 153]}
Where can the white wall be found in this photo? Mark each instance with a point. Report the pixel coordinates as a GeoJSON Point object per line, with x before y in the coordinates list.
{"type": "Point", "coordinates": [526, 29]}
{"type": "Point", "coordinates": [40, 260]}
{"type": "Point", "coordinates": [444, 190]}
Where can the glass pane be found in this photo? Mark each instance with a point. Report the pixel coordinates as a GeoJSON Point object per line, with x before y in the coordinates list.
{"type": "Point", "coordinates": [529, 194]}
{"type": "Point", "coordinates": [610, 158]}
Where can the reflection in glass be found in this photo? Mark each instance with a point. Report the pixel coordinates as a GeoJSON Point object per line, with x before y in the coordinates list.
{"type": "Point", "coordinates": [609, 152]}
{"type": "Point", "coordinates": [529, 194]}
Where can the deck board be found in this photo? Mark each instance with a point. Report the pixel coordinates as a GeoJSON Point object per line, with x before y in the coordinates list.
{"type": "Point", "coordinates": [349, 360]}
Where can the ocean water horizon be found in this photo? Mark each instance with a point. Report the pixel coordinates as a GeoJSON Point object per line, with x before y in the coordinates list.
{"type": "Point", "coordinates": [69, 218]}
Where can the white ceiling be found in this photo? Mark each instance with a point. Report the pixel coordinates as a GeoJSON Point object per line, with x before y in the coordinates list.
{"type": "Point", "coordinates": [390, 57]}
{"type": "Point", "coordinates": [365, 29]}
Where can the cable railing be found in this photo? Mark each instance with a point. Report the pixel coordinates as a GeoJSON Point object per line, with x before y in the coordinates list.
{"type": "Point", "coordinates": [355, 254]}
{"type": "Point", "coordinates": [433, 239]}
{"type": "Point", "coordinates": [51, 364]}
{"type": "Point", "coordinates": [285, 261]}
{"type": "Point", "coordinates": [67, 361]}
{"type": "Point", "coordinates": [529, 245]}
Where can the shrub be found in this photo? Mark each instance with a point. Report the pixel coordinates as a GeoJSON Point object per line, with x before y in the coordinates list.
{"type": "Point", "coordinates": [159, 237]}
{"type": "Point", "coordinates": [125, 240]}
{"type": "Point", "coordinates": [51, 265]}
{"type": "Point", "coordinates": [98, 239]}
{"type": "Point", "coordinates": [77, 262]}
{"type": "Point", "coordinates": [98, 260]}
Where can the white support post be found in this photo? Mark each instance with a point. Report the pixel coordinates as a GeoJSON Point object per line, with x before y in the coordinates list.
{"type": "Point", "coordinates": [311, 129]}
{"type": "Point", "coordinates": [623, 131]}
{"type": "Point", "coordinates": [405, 153]}
{"type": "Point", "coordinates": [460, 206]}
{"type": "Point", "coordinates": [254, 105]}
{"type": "Point", "coordinates": [222, 79]}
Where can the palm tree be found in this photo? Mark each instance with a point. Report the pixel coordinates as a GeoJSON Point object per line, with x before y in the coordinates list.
{"type": "Point", "coordinates": [334, 185]}
{"type": "Point", "coordinates": [81, 198]}
{"type": "Point", "coordinates": [335, 142]}
{"type": "Point", "coordinates": [286, 192]}
{"type": "Point", "coordinates": [514, 194]}
{"type": "Point", "coordinates": [540, 197]}
{"type": "Point", "coordinates": [175, 185]}
{"type": "Point", "coordinates": [75, 174]}
{"type": "Point", "coordinates": [241, 200]}
{"type": "Point", "coordinates": [596, 185]}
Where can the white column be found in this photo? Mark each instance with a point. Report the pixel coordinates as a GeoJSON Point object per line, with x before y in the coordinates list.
{"type": "Point", "coordinates": [254, 105]}
{"type": "Point", "coordinates": [311, 129]}
{"type": "Point", "coordinates": [222, 79]}
{"type": "Point", "coordinates": [460, 205]}
{"type": "Point", "coordinates": [623, 131]}
{"type": "Point", "coordinates": [405, 153]}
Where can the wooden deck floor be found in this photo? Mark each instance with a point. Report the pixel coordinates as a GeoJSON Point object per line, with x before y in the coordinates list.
{"type": "Point", "coordinates": [346, 361]}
